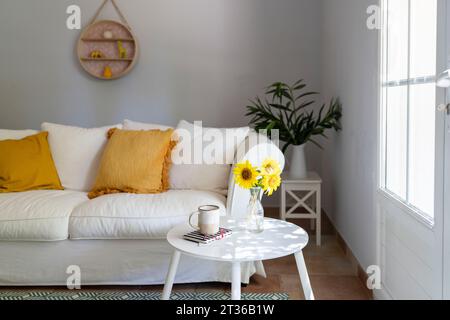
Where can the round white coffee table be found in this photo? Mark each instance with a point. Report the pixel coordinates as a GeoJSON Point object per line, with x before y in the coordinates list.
{"type": "Point", "coordinates": [279, 239]}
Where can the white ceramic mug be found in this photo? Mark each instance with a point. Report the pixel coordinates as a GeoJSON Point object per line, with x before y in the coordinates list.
{"type": "Point", "coordinates": [208, 220]}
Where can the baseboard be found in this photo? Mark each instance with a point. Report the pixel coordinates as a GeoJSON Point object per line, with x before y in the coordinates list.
{"type": "Point", "coordinates": [359, 270]}
{"type": "Point", "coordinates": [382, 294]}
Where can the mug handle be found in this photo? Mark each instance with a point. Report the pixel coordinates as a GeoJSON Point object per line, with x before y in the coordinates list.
{"type": "Point", "coordinates": [190, 223]}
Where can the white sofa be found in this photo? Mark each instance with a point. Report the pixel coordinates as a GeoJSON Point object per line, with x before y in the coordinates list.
{"type": "Point", "coordinates": [115, 239]}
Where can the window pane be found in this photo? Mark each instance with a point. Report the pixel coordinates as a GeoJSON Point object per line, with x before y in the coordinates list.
{"type": "Point", "coordinates": [422, 147]}
{"type": "Point", "coordinates": [396, 140]}
{"type": "Point", "coordinates": [397, 40]}
{"type": "Point", "coordinates": [423, 37]}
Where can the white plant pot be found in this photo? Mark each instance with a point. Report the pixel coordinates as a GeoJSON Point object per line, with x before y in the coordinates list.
{"type": "Point", "coordinates": [298, 168]}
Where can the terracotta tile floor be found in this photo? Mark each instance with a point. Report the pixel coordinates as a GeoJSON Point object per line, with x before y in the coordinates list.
{"type": "Point", "coordinates": [331, 273]}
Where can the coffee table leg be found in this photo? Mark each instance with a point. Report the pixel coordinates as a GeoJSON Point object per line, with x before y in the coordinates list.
{"type": "Point", "coordinates": [236, 281]}
{"type": "Point", "coordinates": [301, 266]}
{"type": "Point", "coordinates": [171, 275]}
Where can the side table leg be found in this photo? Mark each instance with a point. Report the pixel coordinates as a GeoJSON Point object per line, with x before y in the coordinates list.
{"type": "Point", "coordinates": [171, 275]}
{"type": "Point", "coordinates": [319, 218]}
{"type": "Point", "coordinates": [313, 205]}
{"type": "Point", "coordinates": [319, 231]}
{"type": "Point", "coordinates": [283, 203]}
{"type": "Point", "coordinates": [312, 224]}
{"type": "Point", "coordinates": [301, 266]}
{"type": "Point", "coordinates": [236, 281]}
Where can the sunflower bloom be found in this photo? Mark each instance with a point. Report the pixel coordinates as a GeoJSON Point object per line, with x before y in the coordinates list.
{"type": "Point", "coordinates": [270, 166]}
{"type": "Point", "coordinates": [270, 183]}
{"type": "Point", "coordinates": [246, 175]}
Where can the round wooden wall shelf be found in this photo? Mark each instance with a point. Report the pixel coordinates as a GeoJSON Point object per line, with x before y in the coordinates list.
{"type": "Point", "coordinates": [107, 49]}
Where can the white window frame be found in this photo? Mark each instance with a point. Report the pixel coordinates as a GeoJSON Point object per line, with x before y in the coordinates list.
{"type": "Point", "coordinates": [403, 204]}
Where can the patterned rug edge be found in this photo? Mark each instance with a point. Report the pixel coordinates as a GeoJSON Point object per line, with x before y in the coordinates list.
{"type": "Point", "coordinates": [130, 295]}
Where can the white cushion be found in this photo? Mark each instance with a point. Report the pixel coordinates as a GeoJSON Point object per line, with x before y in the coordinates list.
{"type": "Point", "coordinates": [204, 175]}
{"type": "Point", "coordinates": [212, 177]}
{"type": "Point", "coordinates": [15, 134]}
{"type": "Point", "coordinates": [77, 153]}
{"type": "Point", "coordinates": [137, 216]}
{"type": "Point", "coordinates": [37, 215]}
{"type": "Point", "coordinates": [136, 126]}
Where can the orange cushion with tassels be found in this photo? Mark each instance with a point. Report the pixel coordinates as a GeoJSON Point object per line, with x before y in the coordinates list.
{"type": "Point", "coordinates": [135, 162]}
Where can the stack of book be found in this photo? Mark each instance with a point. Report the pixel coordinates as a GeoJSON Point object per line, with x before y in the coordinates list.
{"type": "Point", "coordinates": [201, 239]}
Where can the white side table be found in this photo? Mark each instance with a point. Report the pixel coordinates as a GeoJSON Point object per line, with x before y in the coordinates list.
{"type": "Point", "coordinates": [279, 239]}
{"type": "Point", "coordinates": [307, 194]}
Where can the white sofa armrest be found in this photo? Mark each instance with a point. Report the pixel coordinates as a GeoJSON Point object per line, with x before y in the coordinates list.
{"type": "Point", "coordinates": [256, 148]}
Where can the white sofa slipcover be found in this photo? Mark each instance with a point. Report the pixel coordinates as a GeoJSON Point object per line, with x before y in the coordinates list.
{"type": "Point", "coordinates": [137, 216]}
{"type": "Point", "coordinates": [37, 215]}
{"type": "Point", "coordinates": [38, 232]}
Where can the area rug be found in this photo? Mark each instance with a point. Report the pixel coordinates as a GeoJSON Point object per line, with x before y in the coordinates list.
{"type": "Point", "coordinates": [130, 295]}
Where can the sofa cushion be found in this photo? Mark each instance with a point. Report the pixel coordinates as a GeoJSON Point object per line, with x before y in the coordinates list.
{"type": "Point", "coordinates": [77, 152]}
{"type": "Point", "coordinates": [218, 147]}
{"type": "Point", "coordinates": [134, 216]}
{"type": "Point", "coordinates": [15, 134]}
{"type": "Point", "coordinates": [27, 164]}
{"type": "Point", "coordinates": [133, 125]}
{"type": "Point", "coordinates": [134, 162]}
{"type": "Point", "coordinates": [37, 215]}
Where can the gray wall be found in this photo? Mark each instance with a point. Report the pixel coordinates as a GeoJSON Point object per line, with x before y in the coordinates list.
{"type": "Point", "coordinates": [200, 60]}
{"type": "Point", "coordinates": [350, 68]}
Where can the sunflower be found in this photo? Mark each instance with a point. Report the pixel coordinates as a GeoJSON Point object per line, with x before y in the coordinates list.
{"type": "Point", "coordinates": [270, 183]}
{"type": "Point", "coordinates": [270, 166]}
{"type": "Point", "coordinates": [246, 175]}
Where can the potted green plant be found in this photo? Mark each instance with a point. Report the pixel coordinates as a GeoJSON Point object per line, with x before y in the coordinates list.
{"type": "Point", "coordinates": [285, 108]}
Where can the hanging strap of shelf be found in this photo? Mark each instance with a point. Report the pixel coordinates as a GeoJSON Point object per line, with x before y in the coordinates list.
{"type": "Point", "coordinates": [116, 7]}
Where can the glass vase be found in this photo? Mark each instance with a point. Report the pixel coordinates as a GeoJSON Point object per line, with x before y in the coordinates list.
{"type": "Point", "coordinates": [255, 212]}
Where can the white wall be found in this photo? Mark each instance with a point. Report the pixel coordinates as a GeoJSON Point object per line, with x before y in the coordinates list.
{"type": "Point", "coordinates": [200, 60]}
{"type": "Point", "coordinates": [349, 70]}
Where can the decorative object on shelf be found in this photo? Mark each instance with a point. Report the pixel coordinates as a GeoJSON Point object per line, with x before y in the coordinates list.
{"type": "Point", "coordinates": [107, 72]}
{"type": "Point", "coordinates": [122, 50]}
{"type": "Point", "coordinates": [114, 39]}
{"type": "Point", "coordinates": [108, 34]}
{"type": "Point", "coordinates": [265, 178]}
{"type": "Point", "coordinates": [96, 54]}
{"type": "Point", "coordinates": [284, 109]}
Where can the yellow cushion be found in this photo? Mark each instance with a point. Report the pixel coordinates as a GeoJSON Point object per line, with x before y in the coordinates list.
{"type": "Point", "coordinates": [134, 162]}
{"type": "Point", "coordinates": [27, 164]}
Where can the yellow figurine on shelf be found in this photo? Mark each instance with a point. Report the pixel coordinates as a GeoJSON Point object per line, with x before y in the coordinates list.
{"type": "Point", "coordinates": [96, 54]}
{"type": "Point", "coordinates": [107, 72]}
{"type": "Point", "coordinates": [122, 50]}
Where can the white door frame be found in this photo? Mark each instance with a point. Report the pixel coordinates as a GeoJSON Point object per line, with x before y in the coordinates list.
{"type": "Point", "coordinates": [446, 275]}
{"type": "Point", "coordinates": [441, 146]}
{"type": "Point", "coordinates": [446, 232]}
{"type": "Point", "coordinates": [398, 224]}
